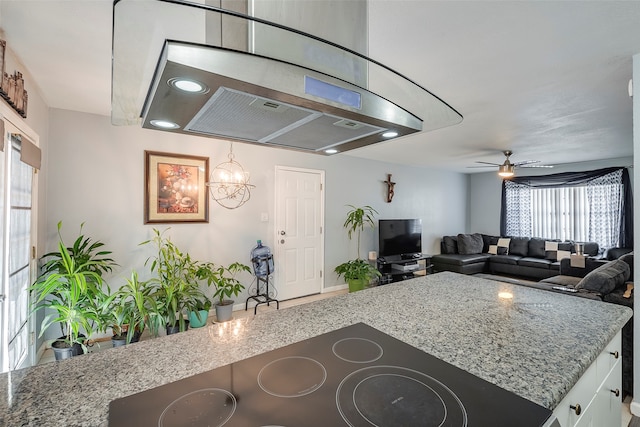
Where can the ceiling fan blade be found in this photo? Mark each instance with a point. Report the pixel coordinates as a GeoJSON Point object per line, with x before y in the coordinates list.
{"type": "Point", "coordinates": [525, 162]}
{"type": "Point", "coordinates": [536, 166]}
{"type": "Point", "coordinates": [487, 163]}
{"type": "Point", "coordinates": [480, 167]}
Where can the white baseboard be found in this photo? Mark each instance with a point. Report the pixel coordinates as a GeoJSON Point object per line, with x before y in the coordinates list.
{"type": "Point", "coordinates": [634, 407]}
{"type": "Point", "coordinates": [334, 288]}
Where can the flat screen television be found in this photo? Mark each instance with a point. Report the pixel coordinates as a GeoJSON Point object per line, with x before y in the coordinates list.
{"type": "Point", "coordinates": [399, 237]}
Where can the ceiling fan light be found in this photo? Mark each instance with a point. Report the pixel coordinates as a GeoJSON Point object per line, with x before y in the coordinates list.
{"type": "Point", "coordinates": [506, 171]}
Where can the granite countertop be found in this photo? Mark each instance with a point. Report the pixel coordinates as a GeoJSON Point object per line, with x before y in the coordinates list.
{"type": "Point", "coordinates": [536, 344]}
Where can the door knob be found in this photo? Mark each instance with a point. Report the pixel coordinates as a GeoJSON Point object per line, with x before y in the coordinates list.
{"type": "Point", "coordinates": [282, 241]}
{"type": "Point", "coordinates": [282, 233]}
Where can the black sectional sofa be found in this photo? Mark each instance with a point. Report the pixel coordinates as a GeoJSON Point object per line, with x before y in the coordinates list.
{"type": "Point", "coordinates": [516, 256]}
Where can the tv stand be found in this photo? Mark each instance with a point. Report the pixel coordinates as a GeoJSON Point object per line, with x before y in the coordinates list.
{"type": "Point", "coordinates": [396, 268]}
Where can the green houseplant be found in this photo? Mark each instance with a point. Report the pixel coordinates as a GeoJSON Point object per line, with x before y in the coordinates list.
{"type": "Point", "coordinates": [177, 281]}
{"type": "Point", "coordinates": [226, 286]}
{"type": "Point", "coordinates": [70, 286]}
{"type": "Point", "coordinates": [358, 272]}
{"type": "Point", "coordinates": [131, 309]}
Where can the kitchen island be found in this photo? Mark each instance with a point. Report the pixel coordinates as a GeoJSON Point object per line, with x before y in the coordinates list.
{"type": "Point", "coordinates": [534, 343]}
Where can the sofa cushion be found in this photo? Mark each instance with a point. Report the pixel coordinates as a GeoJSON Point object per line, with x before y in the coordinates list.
{"type": "Point", "coordinates": [534, 262]}
{"type": "Point", "coordinates": [606, 278]}
{"type": "Point", "coordinates": [470, 244]}
{"type": "Point", "coordinates": [457, 259]}
{"type": "Point", "coordinates": [505, 259]}
{"type": "Point", "coordinates": [536, 247]}
{"type": "Point", "coordinates": [487, 241]}
{"type": "Point", "coordinates": [450, 245]}
{"type": "Point", "coordinates": [519, 246]}
{"type": "Point", "coordinates": [560, 280]}
{"type": "Point", "coordinates": [628, 258]}
{"type": "Point", "coordinates": [591, 248]}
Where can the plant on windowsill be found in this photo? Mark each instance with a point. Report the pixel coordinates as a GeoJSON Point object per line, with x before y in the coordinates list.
{"type": "Point", "coordinates": [70, 286]}
{"type": "Point", "coordinates": [358, 273]}
{"type": "Point", "coordinates": [226, 285]}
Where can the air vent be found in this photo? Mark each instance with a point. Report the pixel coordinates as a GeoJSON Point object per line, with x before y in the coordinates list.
{"type": "Point", "coordinates": [268, 105]}
{"type": "Point", "coordinates": [348, 124]}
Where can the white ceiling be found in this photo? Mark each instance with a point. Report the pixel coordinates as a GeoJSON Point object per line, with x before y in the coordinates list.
{"type": "Point", "coordinates": [547, 80]}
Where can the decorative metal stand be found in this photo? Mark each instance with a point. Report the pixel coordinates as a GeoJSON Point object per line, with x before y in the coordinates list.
{"type": "Point", "coordinates": [262, 298]}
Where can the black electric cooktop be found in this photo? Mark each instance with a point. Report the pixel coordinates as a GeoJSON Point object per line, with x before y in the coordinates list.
{"type": "Point", "coordinates": [354, 376]}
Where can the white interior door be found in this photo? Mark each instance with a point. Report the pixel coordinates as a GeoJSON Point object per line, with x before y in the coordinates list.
{"type": "Point", "coordinates": [299, 219]}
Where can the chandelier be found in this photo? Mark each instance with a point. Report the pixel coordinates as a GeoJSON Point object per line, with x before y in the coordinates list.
{"type": "Point", "coordinates": [229, 183]}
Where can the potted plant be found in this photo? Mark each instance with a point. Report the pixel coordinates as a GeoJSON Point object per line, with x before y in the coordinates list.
{"type": "Point", "coordinates": [226, 286]}
{"type": "Point", "coordinates": [131, 309]}
{"type": "Point", "coordinates": [199, 312]}
{"type": "Point", "coordinates": [358, 272]}
{"type": "Point", "coordinates": [71, 287]}
{"type": "Point", "coordinates": [177, 282]}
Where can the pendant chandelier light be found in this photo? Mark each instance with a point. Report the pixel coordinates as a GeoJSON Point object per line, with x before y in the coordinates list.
{"type": "Point", "coordinates": [229, 183]}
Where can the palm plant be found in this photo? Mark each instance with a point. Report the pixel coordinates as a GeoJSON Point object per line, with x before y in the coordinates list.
{"type": "Point", "coordinates": [357, 219]}
{"type": "Point", "coordinates": [358, 272]}
{"type": "Point", "coordinates": [71, 286]}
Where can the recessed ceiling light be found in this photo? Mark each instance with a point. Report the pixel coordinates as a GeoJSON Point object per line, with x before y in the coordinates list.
{"type": "Point", "coordinates": [331, 151]}
{"type": "Point", "coordinates": [164, 124]}
{"type": "Point", "coordinates": [188, 85]}
{"type": "Point", "coordinates": [390, 134]}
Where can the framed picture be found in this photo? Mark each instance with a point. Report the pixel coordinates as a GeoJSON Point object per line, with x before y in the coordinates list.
{"type": "Point", "coordinates": [175, 188]}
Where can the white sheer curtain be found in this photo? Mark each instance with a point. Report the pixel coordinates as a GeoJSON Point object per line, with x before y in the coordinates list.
{"type": "Point", "coordinates": [588, 212]}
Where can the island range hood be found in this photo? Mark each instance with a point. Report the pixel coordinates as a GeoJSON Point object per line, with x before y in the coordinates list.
{"type": "Point", "coordinates": [310, 95]}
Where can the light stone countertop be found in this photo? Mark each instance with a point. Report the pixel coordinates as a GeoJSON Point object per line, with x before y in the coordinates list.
{"type": "Point", "coordinates": [537, 345]}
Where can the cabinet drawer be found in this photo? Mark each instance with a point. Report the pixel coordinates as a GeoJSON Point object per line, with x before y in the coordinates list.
{"type": "Point", "coordinates": [611, 354]}
{"type": "Point", "coordinates": [582, 393]}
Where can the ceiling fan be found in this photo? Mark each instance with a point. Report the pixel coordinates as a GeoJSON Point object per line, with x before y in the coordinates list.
{"type": "Point", "coordinates": [507, 169]}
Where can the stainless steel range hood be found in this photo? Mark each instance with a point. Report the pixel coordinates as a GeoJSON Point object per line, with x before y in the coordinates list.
{"type": "Point", "coordinates": [313, 96]}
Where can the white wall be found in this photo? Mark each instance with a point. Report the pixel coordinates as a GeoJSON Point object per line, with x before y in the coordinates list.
{"type": "Point", "coordinates": [485, 191]}
{"type": "Point", "coordinates": [95, 175]}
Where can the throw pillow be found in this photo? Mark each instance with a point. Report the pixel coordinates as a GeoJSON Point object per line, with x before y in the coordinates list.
{"type": "Point", "coordinates": [488, 241]}
{"type": "Point", "coordinates": [628, 258]}
{"type": "Point", "coordinates": [606, 278]}
{"type": "Point", "coordinates": [469, 244]}
{"type": "Point", "coordinates": [493, 249]}
{"type": "Point", "coordinates": [450, 244]}
{"type": "Point", "coordinates": [503, 246]}
{"type": "Point", "coordinates": [556, 251]}
{"type": "Point", "coordinates": [519, 246]}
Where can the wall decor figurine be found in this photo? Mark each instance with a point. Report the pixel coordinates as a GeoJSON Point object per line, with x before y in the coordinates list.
{"type": "Point", "coordinates": [390, 188]}
{"type": "Point", "coordinates": [12, 86]}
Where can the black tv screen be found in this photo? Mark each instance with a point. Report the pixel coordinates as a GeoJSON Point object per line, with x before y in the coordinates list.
{"type": "Point", "coordinates": [399, 236]}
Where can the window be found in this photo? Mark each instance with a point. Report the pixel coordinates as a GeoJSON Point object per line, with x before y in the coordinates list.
{"type": "Point", "coordinates": [18, 159]}
{"type": "Point", "coordinates": [590, 206]}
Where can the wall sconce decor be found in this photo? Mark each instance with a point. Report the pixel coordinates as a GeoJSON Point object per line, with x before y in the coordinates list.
{"type": "Point", "coordinates": [229, 183]}
{"type": "Point", "coordinates": [390, 185]}
{"type": "Point", "coordinates": [12, 87]}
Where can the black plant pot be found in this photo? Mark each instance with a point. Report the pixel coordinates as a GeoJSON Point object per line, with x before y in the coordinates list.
{"type": "Point", "coordinates": [174, 329]}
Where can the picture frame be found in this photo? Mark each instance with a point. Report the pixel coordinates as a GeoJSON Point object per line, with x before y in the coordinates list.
{"type": "Point", "coordinates": [175, 188]}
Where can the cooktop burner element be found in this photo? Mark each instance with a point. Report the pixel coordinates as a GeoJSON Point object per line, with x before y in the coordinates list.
{"type": "Point", "coordinates": [292, 376]}
{"type": "Point", "coordinates": [201, 408]}
{"type": "Point", "coordinates": [354, 376]}
{"type": "Point", "coordinates": [357, 350]}
{"type": "Point", "coordinates": [392, 395]}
